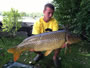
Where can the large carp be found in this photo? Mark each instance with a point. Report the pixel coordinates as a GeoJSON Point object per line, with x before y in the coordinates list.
{"type": "Point", "coordinates": [44, 42]}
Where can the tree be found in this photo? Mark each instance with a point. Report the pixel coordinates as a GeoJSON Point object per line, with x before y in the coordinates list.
{"type": "Point", "coordinates": [11, 21]}
{"type": "Point", "coordinates": [83, 19]}
{"type": "Point", "coordinates": [74, 14]}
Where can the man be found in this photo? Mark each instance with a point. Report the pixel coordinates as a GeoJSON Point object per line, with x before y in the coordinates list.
{"type": "Point", "coordinates": [46, 24]}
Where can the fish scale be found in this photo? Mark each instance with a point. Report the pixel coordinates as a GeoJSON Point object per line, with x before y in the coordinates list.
{"type": "Point", "coordinates": [44, 42]}
{"type": "Point", "coordinates": [50, 42]}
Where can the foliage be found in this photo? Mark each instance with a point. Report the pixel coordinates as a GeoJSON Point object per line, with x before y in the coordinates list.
{"type": "Point", "coordinates": [66, 11]}
{"type": "Point", "coordinates": [11, 21]}
{"type": "Point", "coordinates": [33, 14]}
{"type": "Point", "coordinates": [83, 18]}
{"type": "Point", "coordinates": [0, 13]}
{"type": "Point", "coordinates": [74, 14]}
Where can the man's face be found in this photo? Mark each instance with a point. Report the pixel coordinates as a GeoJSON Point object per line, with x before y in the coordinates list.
{"type": "Point", "coordinates": [48, 13]}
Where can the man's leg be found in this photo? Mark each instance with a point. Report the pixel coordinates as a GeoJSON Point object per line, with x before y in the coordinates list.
{"type": "Point", "coordinates": [56, 59]}
{"type": "Point", "coordinates": [38, 57]}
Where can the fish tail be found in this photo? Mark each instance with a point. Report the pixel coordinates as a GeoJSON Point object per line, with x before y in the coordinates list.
{"type": "Point", "coordinates": [16, 54]}
{"type": "Point", "coordinates": [11, 50]}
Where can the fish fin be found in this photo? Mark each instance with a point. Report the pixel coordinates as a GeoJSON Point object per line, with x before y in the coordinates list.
{"type": "Point", "coordinates": [11, 50]}
{"type": "Point", "coordinates": [69, 47]}
{"type": "Point", "coordinates": [47, 52]}
{"type": "Point", "coordinates": [65, 50]}
{"type": "Point", "coordinates": [32, 50]}
{"type": "Point", "coordinates": [65, 45]}
{"type": "Point", "coordinates": [16, 55]}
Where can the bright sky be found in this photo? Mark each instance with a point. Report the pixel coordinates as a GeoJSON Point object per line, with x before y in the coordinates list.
{"type": "Point", "coordinates": [23, 5]}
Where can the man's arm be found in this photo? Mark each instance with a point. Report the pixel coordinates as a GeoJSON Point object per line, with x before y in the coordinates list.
{"type": "Point", "coordinates": [36, 28]}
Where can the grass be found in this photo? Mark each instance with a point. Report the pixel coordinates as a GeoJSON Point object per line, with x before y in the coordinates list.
{"type": "Point", "coordinates": [8, 43]}
{"type": "Point", "coordinates": [78, 58]}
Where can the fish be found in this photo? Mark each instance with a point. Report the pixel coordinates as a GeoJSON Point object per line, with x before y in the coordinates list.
{"type": "Point", "coordinates": [44, 42]}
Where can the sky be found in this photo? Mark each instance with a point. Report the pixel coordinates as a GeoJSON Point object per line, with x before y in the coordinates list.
{"type": "Point", "coordinates": [23, 5]}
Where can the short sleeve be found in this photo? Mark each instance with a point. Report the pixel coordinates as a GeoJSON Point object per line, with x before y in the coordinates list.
{"type": "Point", "coordinates": [36, 28]}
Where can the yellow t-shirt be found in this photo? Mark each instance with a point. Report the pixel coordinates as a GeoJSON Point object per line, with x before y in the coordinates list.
{"type": "Point", "coordinates": [40, 26]}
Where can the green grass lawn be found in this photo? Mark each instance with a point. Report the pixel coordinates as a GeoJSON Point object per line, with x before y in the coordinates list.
{"type": "Point", "coordinates": [78, 58]}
